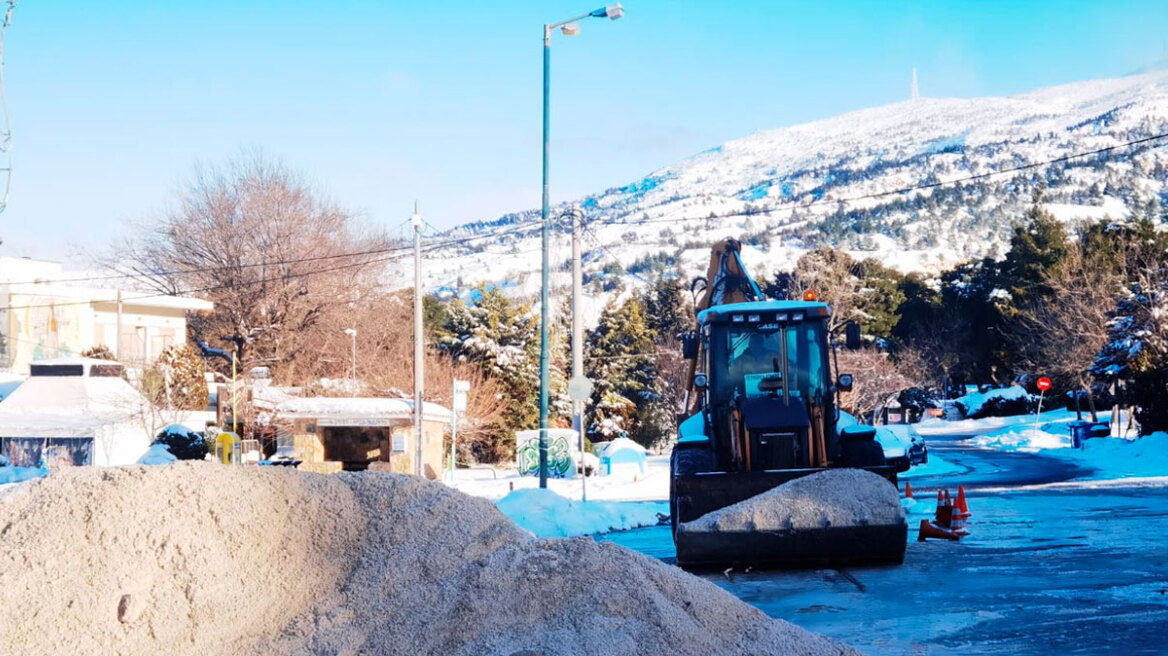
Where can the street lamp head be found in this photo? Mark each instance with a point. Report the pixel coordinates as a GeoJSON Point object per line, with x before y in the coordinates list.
{"type": "Point", "coordinates": [614, 12]}
{"type": "Point", "coordinates": [571, 29]}
{"type": "Point", "coordinates": [351, 332]}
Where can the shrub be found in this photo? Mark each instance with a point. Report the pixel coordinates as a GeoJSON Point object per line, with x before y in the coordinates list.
{"type": "Point", "coordinates": [182, 442]}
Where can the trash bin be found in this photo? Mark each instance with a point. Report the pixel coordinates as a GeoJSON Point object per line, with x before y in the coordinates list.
{"type": "Point", "coordinates": [1080, 431]}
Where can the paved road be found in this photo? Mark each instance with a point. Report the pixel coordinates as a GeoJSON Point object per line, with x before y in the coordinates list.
{"type": "Point", "coordinates": [1073, 570]}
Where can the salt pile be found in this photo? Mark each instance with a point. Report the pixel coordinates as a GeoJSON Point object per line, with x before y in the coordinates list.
{"type": "Point", "coordinates": [831, 498]}
{"type": "Point", "coordinates": [196, 558]}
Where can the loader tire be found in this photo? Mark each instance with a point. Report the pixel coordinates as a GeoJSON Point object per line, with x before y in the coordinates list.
{"type": "Point", "coordinates": [685, 462]}
{"type": "Point", "coordinates": [862, 453]}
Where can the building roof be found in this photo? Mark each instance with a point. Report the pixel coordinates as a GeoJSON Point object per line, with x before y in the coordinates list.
{"type": "Point", "coordinates": [68, 406]}
{"type": "Point", "coordinates": [320, 406]}
{"type": "Point", "coordinates": [130, 299]}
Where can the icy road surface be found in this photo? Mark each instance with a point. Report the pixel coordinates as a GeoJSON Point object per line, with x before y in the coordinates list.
{"type": "Point", "coordinates": [1070, 568]}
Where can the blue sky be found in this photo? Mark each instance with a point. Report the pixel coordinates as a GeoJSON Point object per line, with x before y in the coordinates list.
{"type": "Point", "coordinates": [377, 103]}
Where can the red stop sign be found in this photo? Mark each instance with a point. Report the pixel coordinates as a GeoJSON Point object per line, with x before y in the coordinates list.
{"type": "Point", "coordinates": [1043, 383]}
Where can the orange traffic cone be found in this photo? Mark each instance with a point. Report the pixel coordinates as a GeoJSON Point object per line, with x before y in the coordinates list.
{"type": "Point", "coordinates": [962, 505]}
{"type": "Point", "coordinates": [908, 490]}
{"type": "Point", "coordinates": [944, 512]}
{"type": "Point", "coordinates": [928, 530]}
{"type": "Point", "coordinates": [943, 518]}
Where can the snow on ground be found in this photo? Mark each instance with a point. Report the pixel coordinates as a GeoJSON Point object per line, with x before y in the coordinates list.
{"type": "Point", "coordinates": [1110, 457]}
{"type": "Point", "coordinates": [497, 483]}
{"type": "Point", "coordinates": [936, 466]}
{"type": "Point", "coordinates": [549, 515]}
{"type": "Point", "coordinates": [934, 426]}
{"type": "Point", "coordinates": [617, 502]}
{"type": "Point", "coordinates": [1050, 436]}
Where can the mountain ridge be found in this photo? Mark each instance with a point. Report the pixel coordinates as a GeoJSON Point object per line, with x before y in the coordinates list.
{"type": "Point", "coordinates": [785, 190]}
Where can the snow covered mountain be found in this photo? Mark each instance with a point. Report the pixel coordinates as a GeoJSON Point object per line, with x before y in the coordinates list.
{"type": "Point", "coordinates": [786, 190]}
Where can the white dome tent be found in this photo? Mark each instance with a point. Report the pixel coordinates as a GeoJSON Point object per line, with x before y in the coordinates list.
{"type": "Point", "coordinates": [77, 409]}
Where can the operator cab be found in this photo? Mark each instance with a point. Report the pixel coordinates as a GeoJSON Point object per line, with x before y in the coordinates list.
{"type": "Point", "coordinates": [767, 366]}
{"type": "Point", "coordinates": [753, 347]}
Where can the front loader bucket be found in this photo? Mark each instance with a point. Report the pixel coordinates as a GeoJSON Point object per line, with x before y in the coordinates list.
{"type": "Point", "coordinates": [796, 548]}
{"type": "Point", "coordinates": [698, 494]}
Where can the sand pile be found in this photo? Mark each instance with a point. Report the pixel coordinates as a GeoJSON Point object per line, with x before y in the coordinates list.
{"type": "Point", "coordinates": [197, 558]}
{"type": "Point", "coordinates": [835, 497]}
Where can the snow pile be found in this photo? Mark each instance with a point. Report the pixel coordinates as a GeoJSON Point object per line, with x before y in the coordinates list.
{"type": "Point", "coordinates": [1110, 457]}
{"type": "Point", "coordinates": [20, 474]}
{"type": "Point", "coordinates": [936, 466]}
{"type": "Point", "coordinates": [1118, 458]}
{"type": "Point", "coordinates": [1008, 401]}
{"type": "Point", "coordinates": [1025, 439]}
{"type": "Point", "coordinates": [548, 515]}
{"type": "Point", "coordinates": [157, 455]}
{"type": "Point", "coordinates": [835, 497]}
{"type": "Point", "coordinates": [161, 560]}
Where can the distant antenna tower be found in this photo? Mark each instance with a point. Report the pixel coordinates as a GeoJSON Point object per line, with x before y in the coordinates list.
{"type": "Point", "coordinates": [6, 129]}
{"type": "Point", "coordinates": [916, 92]}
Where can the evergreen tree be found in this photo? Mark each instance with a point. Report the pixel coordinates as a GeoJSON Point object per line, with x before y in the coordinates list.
{"type": "Point", "coordinates": [619, 359]}
{"type": "Point", "coordinates": [1137, 353]}
{"type": "Point", "coordinates": [668, 312]}
{"type": "Point", "coordinates": [502, 336]}
{"type": "Point", "coordinates": [1035, 250]}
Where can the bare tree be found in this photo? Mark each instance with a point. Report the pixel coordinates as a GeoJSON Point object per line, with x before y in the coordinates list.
{"type": "Point", "coordinates": [876, 380]}
{"type": "Point", "coordinates": [271, 255]}
{"type": "Point", "coordinates": [1060, 336]}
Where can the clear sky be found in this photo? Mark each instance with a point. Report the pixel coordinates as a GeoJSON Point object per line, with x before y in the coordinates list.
{"type": "Point", "coordinates": [379, 102]}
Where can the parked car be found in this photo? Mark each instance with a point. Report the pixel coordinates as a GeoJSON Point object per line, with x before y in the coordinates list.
{"type": "Point", "coordinates": [903, 446]}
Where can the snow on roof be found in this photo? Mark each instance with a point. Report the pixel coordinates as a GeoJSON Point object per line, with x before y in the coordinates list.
{"type": "Point", "coordinates": [322, 406]}
{"type": "Point", "coordinates": [760, 306]}
{"type": "Point", "coordinates": [68, 406]}
{"type": "Point", "coordinates": [74, 361]}
{"type": "Point", "coordinates": [623, 444]}
{"type": "Point", "coordinates": [109, 295]}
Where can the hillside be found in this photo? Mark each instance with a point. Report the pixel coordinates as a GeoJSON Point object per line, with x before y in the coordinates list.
{"type": "Point", "coordinates": [780, 191]}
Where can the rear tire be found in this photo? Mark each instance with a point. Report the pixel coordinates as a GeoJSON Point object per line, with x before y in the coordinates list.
{"type": "Point", "coordinates": [862, 453]}
{"type": "Point", "coordinates": [685, 462]}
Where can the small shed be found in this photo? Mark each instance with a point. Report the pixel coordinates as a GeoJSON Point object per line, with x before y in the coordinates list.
{"type": "Point", "coordinates": [331, 434]}
{"type": "Point", "coordinates": [623, 456]}
{"type": "Point", "coordinates": [76, 411]}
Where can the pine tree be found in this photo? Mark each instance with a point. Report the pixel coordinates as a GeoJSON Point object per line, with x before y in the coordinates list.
{"type": "Point", "coordinates": [502, 336]}
{"type": "Point", "coordinates": [1137, 353]}
{"type": "Point", "coordinates": [620, 361]}
{"type": "Point", "coordinates": [1035, 249]}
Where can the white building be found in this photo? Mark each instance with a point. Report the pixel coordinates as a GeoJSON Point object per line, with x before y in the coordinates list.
{"type": "Point", "coordinates": [42, 315]}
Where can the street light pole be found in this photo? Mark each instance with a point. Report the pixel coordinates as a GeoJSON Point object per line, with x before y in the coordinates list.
{"type": "Point", "coordinates": [614, 12]}
{"type": "Point", "coordinates": [352, 332]}
{"type": "Point", "coordinates": [544, 269]}
{"type": "Point", "coordinates": [419, 353]}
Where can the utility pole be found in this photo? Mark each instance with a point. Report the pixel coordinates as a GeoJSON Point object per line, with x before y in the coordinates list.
{"type": "Point", "coordinates": [118, 338]}
{"type": "Point", "coordinates": [419, 364]}
{"type": "Point", "coordinates": [578, 339]}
